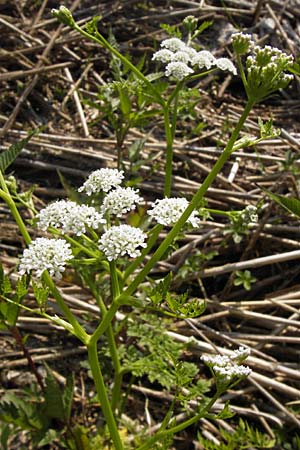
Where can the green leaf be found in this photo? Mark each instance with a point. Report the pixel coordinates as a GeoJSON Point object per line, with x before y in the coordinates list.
{"type": "Point", "coordinates": [68, 395]}
{"type": "Point", "coordinates": [225, 413]}
{"type": "Point", "coordinates": [290, 204]}
{"type": "Point", "coordinates": [41, 295]}
{"type": "Point", "coordinates": [8, 156]}
{"type": "Point", "coordinates": [54, 405]}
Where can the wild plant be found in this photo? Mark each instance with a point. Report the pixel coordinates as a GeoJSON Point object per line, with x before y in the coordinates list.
{"type": "Point", "coordinates": [114, 259]}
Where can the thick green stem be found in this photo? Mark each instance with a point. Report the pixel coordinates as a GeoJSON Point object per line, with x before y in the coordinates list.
{"type": "Point", "coordinates": [102, 395]}
{"type": "Point", "coordinates": [195, 202]}
{"type": "Point", "coordinates": [177, 428]}
{"type": "Point", "coordinates": [112, 350]}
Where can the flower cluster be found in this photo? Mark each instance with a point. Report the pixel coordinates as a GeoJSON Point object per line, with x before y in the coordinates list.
{"type": "Point", "coordinates": [167, 211]}
{"type": "Point", "coordinates": [69, 216]}
{"type": "Point", "coordinates": [120, 201]}
{"type": "Point", "coordinates": [249, 215]}
{"type": "Point", "coordinates": [120, 240]}
{"type": "Point", "coordinates": [46, 254]}
{"type": "Point", "coordinates": [226, 368]}
{"type": "Point", "coordinates": [181, 60]}
{"type": "Point", "coordinates": [242, 43]}
{"type": "Point", "coordinates": [266, 67]}
{"type": "Point", "coordinates": [102, 180]}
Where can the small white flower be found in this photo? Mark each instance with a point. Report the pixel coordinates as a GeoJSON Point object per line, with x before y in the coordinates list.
{"type": "Point", "coordinates": [181, 56]}
{"type": "Point", "coordinates": [178, 70]}
{"type": "Point", "coordinates": [163, 56]}
{"type": "Point", "coordinates": [120, 201]}
{"type": "Point", "coordinates": [120, 240]}
{"type": "Point", "coordinates": [173, 44]}
{"type": "Point", "coordinates": [228, 367]}
{"type": "Point", "coordinates": [46, 254]}
{"type": "Point", "coordinates": [232, 370]}
{"type": "Point", "coordinates": [249, 215]}
{"type": "Point", "coordinates": [167, 211]}
{"type": "Point", "coordinates": [226, 64]}
{"type": "Point", "coordinates": [240, 354]}
{"type": "Point", "coordinates": [69, 216]}
{"type": "Point", "coordinates": [102, 180]}
{"type": "Point", "coordinates": [204, 59]}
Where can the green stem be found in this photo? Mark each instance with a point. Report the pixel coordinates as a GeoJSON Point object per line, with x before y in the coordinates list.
{"type": "Point", "coordinates": [177, 428]}
{"type": "Point", "coordinates": [102, 41]}
{"type": "Point", "coordinates": [196, 200]}
{"type": "Point", "coordinates": [102, 395]}
{"type": "Point", "coordinates": [150, 243]}
{"type": "Point", "coordinates": [105, 322]}
{"type": "Point", "coordinates": [78, 330]}
{"type": "Point", "coordinates": [112, 349]}
{"type": "Point", "coordinates": [170, 128]}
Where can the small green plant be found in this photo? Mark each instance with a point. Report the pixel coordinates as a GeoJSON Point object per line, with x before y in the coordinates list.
{"type": "Point", "coordinates": [244, 278]}
{"type": "Point", "coordinates": [244, 437]}
{"type": "Point", "coordinates": [114, 258]}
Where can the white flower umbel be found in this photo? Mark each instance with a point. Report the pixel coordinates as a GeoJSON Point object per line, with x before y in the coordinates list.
{"type": "Point", "coordinates": [69, 217]}
{"type": "Point", "coordinates": [164, 55]}
{"type": "Point", "coordinates": [178, 70]}
{"type": "Point", "coordinates": [46, 254]}
{"type": "Point", "coordinates": [167, 211]}
{"type": "Point", "coordinates": [173, 44]}
{"type": "Point", "coordinates": [228, 367]}
{"type": "Point", "coordinates": [204, 59]}
{"type": "Point", "coordinates": [102, 180]}
{"type": "Point", "coordinates": [120, 201]}
{"type": "Point", "coordinates": [226, 65]}
{"type": "Point", "coordinates": [121, 240]}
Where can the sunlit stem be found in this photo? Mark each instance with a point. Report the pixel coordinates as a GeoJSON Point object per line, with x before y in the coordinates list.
{"type": "Point", "coordinates": [102, 395]}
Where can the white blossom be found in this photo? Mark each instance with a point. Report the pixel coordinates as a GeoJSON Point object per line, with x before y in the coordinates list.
{"type": "Point", "coordinates": [181, 56]}
{"type": "Point", "coordinates": [232, 370]}
{"type": "Point", "coordinates": [164, 55]}
{"type": "Point", "coordinates": [69, 216]}
{"type": "Point", "coordinates": [226, 64]}
{"type": "Point", "coordinates": [120, 201]}
{"type": "Point", "coordinates": [228, 366]}
{"type": "Point", "coordinates": [249, 215]}
{"type": "Point", "coordinates": [178, 70]}
{"type": "Point", "coordinates": [120, 240]}
{"type": "Point", "coordinates": [46, 254]}
{"type": "Point", "coordinates": [167, 211]}
{"type": "Point", "coordinates": [173, 44]}
{"type": "Point", "coordinates": [204, 59]}
{"type": "Point", "coordinates": [102, 180]}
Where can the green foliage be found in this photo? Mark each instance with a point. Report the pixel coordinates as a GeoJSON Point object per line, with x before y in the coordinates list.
{"type": "Point", "coordinates": [244, 437]}
{"type": "Point", "coordinates": [155, 354]}
{"type": "Point", "coordinates": [244, 278]}
{"type": "Point", "coordinates": [41, 294]}
{"type": "Point", "coordinates": [45, 415]}
{"type": "Point", "coordinates": [8, 156]}
{"type": "Point", "coordinates": [10, 300]}
{"type": "Point", "coordinates": [292, 205]}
